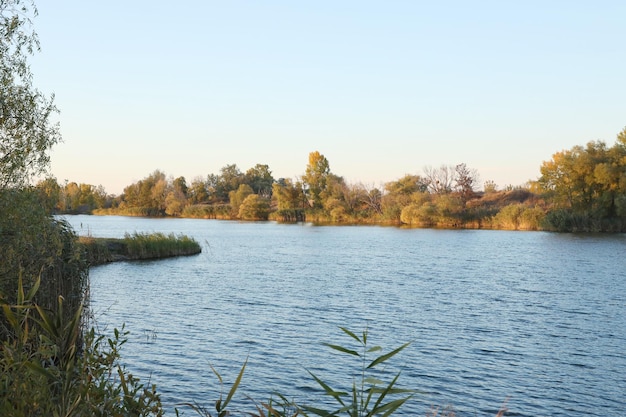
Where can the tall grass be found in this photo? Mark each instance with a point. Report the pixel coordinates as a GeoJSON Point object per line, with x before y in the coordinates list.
{"type": "Point", "coordinates": [35, 246]}
{"type": "Point", "coordinates": [49, 367]}
{"type": "Point", "coordinates": [159, 245]}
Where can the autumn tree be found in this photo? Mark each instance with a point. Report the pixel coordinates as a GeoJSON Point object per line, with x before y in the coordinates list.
{"type": "Point", "coordinates": [465, 180]}
{"type": "Point", "coordinates": [51, 193]}
{"type": "Point", "coordinates": [236, 198]}
{"type": "Point", "coordinates": [315, 178]}
{"type": "Point", "coordinates": [288, 195]}
{"type": "Point", "coordinates": [148, 195]}
{"type": "Point", "coordinates": [254, 207]}
{"type": "Point", "coordinates": [587, 186]}
{"type": "Point", "coordinates": [373, 200]}
{"type": "Point", "coordinates": [176, 198]}
{"type": "Point", "coordinates": [398, 195]}
{"type": "Point", "coordinates": [197, 192]}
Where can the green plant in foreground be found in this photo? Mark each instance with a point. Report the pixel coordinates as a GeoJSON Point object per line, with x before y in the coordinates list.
{"type": "Point", "coordinates": [369, 396]}
{"type": "Point", "coordinates": [48, 369]}
{"type": "Point", "coordinates": [220, 406]}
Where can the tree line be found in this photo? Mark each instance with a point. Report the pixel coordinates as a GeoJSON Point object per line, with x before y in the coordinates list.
{"type": "Point", "coordinates": [580, 189]}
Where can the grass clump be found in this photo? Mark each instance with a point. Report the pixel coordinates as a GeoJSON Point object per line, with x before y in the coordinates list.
{"type": "Point", "coordinates": [137, 246]}
{"type": "Point", "coordinates": [159, 245]}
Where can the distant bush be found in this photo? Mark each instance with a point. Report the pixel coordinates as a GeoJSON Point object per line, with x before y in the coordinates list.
{"type": "Point", "coordinates": [207, 211]}
{"type": "Point", "coordinates": [519, 217]}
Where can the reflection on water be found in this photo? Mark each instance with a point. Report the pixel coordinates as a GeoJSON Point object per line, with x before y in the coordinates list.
{"type": "Point", "coordinates": [536, 317]}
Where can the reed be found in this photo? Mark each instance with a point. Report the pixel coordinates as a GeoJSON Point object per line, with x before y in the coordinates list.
{"type": "Point", "coordinates": [50, 367]}
{"type": "Point", "coordinates": [159, 245]}
{"type": "Point", "coordinates": [137, 246]}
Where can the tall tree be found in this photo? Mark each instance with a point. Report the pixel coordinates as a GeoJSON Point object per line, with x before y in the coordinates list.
{"type": "Point", "coordinates": [589, 183]}
{"type": "Point", "coordinates": [237, 197]}
{"type": "Point", "coordinates": [288, 195]}
{"type": "Point", "coordinates": [198, 192]}
{"type": "Point", "coordinates": [315, 177]}
{"type": "Point", "coordinates": [230, 179]}
{"type": "Point", "coordinates": [27, 131]}
{"type": "Point", "coordinates": [465, 179]}
{"type": "Point", "coordinates": [260, 179]}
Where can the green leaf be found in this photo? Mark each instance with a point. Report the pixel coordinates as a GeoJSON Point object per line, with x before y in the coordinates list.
{"type": "Point", "coordinates": [343, 349]}
{"type": "Point", "coordinates": [318, 411]}
{"type": "Point", "coordinates": [219, 377]}
{"type": "Point", "coordinates": [390, 407]}
{"type": "Point", "coordinates": [373, 381]}
{"type": "Point", "coordinates": [383, 358]}
{"type": "Point", "coordinates": [355, 403]}
{"type": "Point", "coordinates": [47, 323]}
{"type": "Point", "coordinates": [34, 289]}
{"type": "Point", "coordinates": [40, 370]}
{"type": "Point", "coordinates": [8, 313]}
{"type": "Point", "coordinates": [233, 389]}
{"type": "Point", "coordinates": [20, 290]}
{"type": "Point", "coordinates": [374, 349]}
{"type": "Point", "coordinates": [328, 390]}
{"type": "Point", "coordinates": [352, 335]}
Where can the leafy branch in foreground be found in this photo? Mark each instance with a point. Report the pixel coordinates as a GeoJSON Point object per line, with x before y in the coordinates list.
{"type": "Point", "coordinates": [368, 396]}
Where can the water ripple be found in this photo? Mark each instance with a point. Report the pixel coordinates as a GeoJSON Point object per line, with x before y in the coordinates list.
{"type": "Point", "coordinates": [537, 317]}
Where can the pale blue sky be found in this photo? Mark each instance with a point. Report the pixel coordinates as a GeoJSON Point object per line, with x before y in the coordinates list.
{"type": "Point", "coordinates": [381, 88]}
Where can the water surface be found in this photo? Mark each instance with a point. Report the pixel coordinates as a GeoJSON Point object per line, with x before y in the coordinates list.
{"type": "Point", "coordinates": [539, 318]}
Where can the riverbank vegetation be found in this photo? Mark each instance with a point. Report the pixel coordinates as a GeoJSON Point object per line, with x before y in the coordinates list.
{"type": "Point", "coordinates": [137, 246]}
{"type": "Point", "coordinates": [53, 362]}
{"type": "Point", "coordinates": [580, 189]}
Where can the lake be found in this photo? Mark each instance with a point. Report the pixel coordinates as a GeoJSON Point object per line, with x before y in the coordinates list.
{"type": "Point", "coordinates": [539, 318]}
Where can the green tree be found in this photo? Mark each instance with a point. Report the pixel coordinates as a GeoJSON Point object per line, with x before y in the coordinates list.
{"type": "Point", "coordinates": [315, 178]}
{"type": "Point", "coordinates": [198, 192]}
{"type": "Point", "coordinates": [407, 185]}
{"type": "Point", "coordinates": [147, 196]}
{"type": "Point", "coordinates": [254, 207]}
{"type": "Point", "coordinates": [399, 193]}
{"type": "Point", "coordinates": [586, 186]}
{"type": "Point", "coordinates": [229, 180]}
{"type": "Point", "coordinates": [51, 193]}
{"type": "Point", "coordinates": [260, 179]}
{"type": "Point", "coordinates": [180, 186]}
{"type": "Point", "coordinates": [236, 198]}
{"type": "Point", "coordinates": [288, 195]}
{"type": "Point", "coordinates": [27, 129]}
